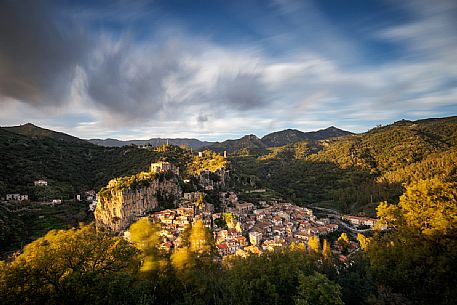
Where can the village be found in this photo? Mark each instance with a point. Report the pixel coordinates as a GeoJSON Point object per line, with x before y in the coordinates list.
{"type": "Point", "coordinates": [239, 227]}
{"type": "Point", "coordinates": [243, 228]}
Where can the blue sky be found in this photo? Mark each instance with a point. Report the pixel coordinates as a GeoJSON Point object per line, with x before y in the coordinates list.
{"type": "Point", "coordinates": [221, 69]}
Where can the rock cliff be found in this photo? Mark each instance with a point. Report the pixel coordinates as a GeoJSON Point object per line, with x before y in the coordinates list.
{"type": "Point", "coordinates": [118, 208]}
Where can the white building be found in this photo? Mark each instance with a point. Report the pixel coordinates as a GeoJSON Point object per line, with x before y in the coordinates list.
{"type": "Point", "coordinates": [17, 197]}
{"type": "Point", "coordinates": [92, 205]}
{"type": "Point", "coordinates": [40, 183]}
{"type": "Point", "coordinates": [255, 238]}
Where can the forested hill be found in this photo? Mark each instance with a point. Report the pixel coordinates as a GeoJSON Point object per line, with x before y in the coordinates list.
{"type": "Point", "coordinates": [350, 171]}
{"type": "Point", "coordinates": [354, 173]}
{"type": "Point", "coordinates": [69, 164]}
{"type": "Point", "coordinates": [289, 136]}
{"type": "Point", "coordinates": [36, 132]}
{"type": "Point", "coordinates": [251, 143]}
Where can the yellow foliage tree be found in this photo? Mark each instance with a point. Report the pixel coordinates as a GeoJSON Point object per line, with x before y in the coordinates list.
{"type": "Point", "coordinates": [430, 206]}
{"type": "Point", "coordinates": [314, 243]}
{"type": "Point", "coordinates": [64, 263]}
{"type": "Point", "coordinates": [326, 251]}
{"type": "Point", "coordinates": [145, 236]}
{"type": "Point", "coordinates": [363, 241]}
{"type": "Point", "coordinates": [182, 259]}
{"type": "Point", "coordinates": [200, 239]}
{"type": "Point", "coordinates": [343, 240]}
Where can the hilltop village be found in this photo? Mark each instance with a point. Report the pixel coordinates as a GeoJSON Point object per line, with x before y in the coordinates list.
{"type": "Point", "coordinates": [239, 227]}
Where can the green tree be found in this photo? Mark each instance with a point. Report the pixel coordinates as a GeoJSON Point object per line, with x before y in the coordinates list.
{"type": "Point", "coordinates": [317, 289]}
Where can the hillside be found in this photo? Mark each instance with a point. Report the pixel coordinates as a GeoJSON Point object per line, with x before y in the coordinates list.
{"type": "Point", "coordinates": [281, 138]}
{"type": "Point", "coordinates": [191, 143]}
{"type": "Point", "coordinates": [36, 132]}
{"type": "Point", "coordinates": [70, 165]}
{"type": "Point", "coordinates": [288, 136]}
{"type": "Point", "coordinates": [251, 144]}
{"type": "Point", "coordinates": [356, 172]}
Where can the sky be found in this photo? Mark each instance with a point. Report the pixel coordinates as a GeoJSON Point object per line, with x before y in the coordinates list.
{"type": "Point", "coordinates": [215, 70]}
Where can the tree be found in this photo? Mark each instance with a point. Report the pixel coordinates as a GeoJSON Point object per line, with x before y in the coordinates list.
{"type": "Point", "coordinates": [317, 289]}
{"type": "Point", "coordinates": [182, 259]}
{"type": "Point", "coordinates": [343, 240]}
{"type": "Point", "coordinates": [314, 243]}
{"type": "Point", "coordinates": [200, 239]}
{"type": "Point", "coordinates": [430, 206]}
{"type": "Point", "coordinates": [229, 219]}
{"type": "Point", "coordinates": [363, 241]}
{"type": "Point", "coordinates": [146, 237]}
{"type": "Point", "coordinates": [417, 255]}
{"type": "Point", "coordinates": [199, 203]}
{"type": "Point", "coordinates": [326, 250]}
{"type": "Point", "coordinates": [69, 267]}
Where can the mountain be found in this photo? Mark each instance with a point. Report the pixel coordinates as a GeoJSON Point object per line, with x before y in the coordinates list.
{"type": "Point", "coordinates": [248, 142]}
{"type": "Point", "coordinates": [327, 133]}
{"type": "Point", "coordinates": [354, 173]}
{"type": "Point", "coordinates": [288, 136]}
{"type": "Point", "coordinates": [36, 132]}
{"type": "Point", "coordinates": [281, 138]}
{"type": "Point", "coordinates": [255, 145]}
{"type": "Point", "coordinates": [192, 143]}
{"type": "Point", "coordinates": [70, 165]}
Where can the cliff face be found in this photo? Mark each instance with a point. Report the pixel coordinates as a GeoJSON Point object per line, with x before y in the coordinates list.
{"type": "Point", "coordinates": [117, 211]}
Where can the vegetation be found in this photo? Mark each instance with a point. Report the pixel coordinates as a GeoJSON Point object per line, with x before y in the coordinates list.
{"type": "Point", "coordinates": [137, 181]}
{"type": "Point", "coordinates": [209, 160]}
{"type": "Point", "coordinates": [20, 224]}
{"type": "Point", "coordinates": [354, 173]}
{"type": "Point", "coordinates": [417, 255]}
{"type": "Point", "coordinates": [411, 258]}
{"type": "Point", "coordinates": [411, 261]}
{"type": "Point", "coordinates": [290, 136]}
{"type": "Point", "coordinates": [72, 166]}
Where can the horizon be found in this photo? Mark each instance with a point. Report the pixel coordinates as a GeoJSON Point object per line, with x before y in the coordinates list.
{"type": "Point", "coordinates": [225, 139]}
{"type": "Point", "coordinates": [216, 70]}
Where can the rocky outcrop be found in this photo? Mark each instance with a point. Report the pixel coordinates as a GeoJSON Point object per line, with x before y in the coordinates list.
{"type": "Point", "coordinates": [118, 209]}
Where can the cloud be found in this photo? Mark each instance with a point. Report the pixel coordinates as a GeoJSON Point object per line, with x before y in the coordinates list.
{"type": "Point", "coordinates": [170, 81]}
{"type": "Point", "coordinates": [38, 56]}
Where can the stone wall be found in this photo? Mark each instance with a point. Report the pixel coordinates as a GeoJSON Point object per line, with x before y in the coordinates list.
{"type": "Point", "coordinates": [125, 207]}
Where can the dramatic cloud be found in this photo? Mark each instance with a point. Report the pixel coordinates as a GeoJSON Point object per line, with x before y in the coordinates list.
{"type": "Point", "coordinates": [126, 71]}
{"type": "Point", "coordinates": [38, 54]}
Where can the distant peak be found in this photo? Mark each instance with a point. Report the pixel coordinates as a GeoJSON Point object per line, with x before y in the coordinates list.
{"type": "Point", "coordinates": [249, 136]}
{"type": "Point", "coordinates": [29, 125]}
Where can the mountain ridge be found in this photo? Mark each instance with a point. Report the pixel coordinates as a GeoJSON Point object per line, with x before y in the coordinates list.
{"type": "Point", "coordinates": [35, 131]}
{"type": "Point", "coordinates": [277, 139]}
{"type": "Point", "coordinates": [191, 142]}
